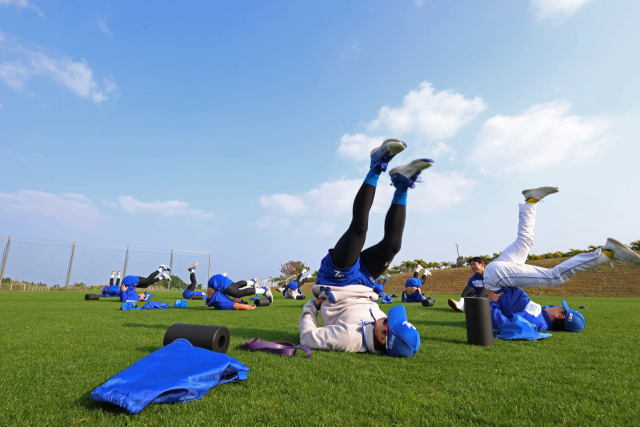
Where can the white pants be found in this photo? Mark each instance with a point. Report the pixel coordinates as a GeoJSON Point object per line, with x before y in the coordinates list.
{"type": "Point", "coordinates": [292, 294]}
{"type": "Point", "coordinates": [510, 270]}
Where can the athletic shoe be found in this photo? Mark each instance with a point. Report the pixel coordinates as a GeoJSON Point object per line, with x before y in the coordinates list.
{"type": "Point", "coordinates": [454, 304]}
{"type": "Point", "coordinates": [255, 282]}
{"type": "Point", "coordinates": [388, 276]}
{"type": "Point", "coordinates": [408, 174]}
{"type": "Point", "coordinates": [381, 156]}
{"type": "Point", "coordinates": [268, 294]}
{"type": "Point", "coordinates": [419, 268]}
{"type": "Point", "coordinates": [165, 276]}
{"type": "Point", "coordinates": [118, 274]}
{"type": "Point", "coordinates": [539, 193]}
{"type": "Point", "coordinates": [428, 273]}
{"type": "Point", "coordinates": [192, 266]}
{"type": "Point", "coordinates": [622, 252]}
{"type": "Point", "coordinates": [164, 268]}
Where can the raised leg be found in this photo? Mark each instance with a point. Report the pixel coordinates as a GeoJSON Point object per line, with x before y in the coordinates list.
{"type": "Point", "coordinates": [519, 250]}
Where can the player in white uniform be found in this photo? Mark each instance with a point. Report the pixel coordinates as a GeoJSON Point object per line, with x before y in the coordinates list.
{"type": "Point", "coordinates": [510, 270]}
{"type": "Point", "coordinates": [344, 294]}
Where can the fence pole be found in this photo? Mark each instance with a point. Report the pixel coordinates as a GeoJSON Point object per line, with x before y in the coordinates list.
{"type": "Point", "coordinates": [171, 267]}
{"type": "Point", "coordinates": [209, 270]}
{"type": "Point", "coordinates": [73, 251]}
{"type": "Point", "coordinates": [126, 261]}
{"type": "Point", "coordinates": [4, 263]}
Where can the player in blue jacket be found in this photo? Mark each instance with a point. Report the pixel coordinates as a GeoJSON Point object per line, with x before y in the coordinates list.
{"type": "Point", "coordinates": [131, 283]}
{"type": "Point", "coordinates": [190, 291]}
{"type": "Point", "coordinates": [379, 287]}
{"type": "Point", "coordinates": [475, 285]}
{"type": "Point", "coordinates": [509, 302]}
{"type": "Point", "coordinates": [413, 293]}
{"type": "Point", "coordinates": [293, 288]}
{"type": "Point", "coordinates": [225, 294]}
{"type": "Point", "coordinates": [112, 289]}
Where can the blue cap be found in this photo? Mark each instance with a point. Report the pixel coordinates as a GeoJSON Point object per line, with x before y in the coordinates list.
{"type": "Point", "coordinates": [403, 340]}
{"type": "Point", "coordinates": [129, 305]}
{"type": "Point", "coordinates": [378, 288]}
{"type": "Point", "coordinates": [574, 322]}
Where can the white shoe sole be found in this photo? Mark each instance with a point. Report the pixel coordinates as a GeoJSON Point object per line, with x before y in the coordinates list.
{"type": "Point", "coordinates": [622, 252]}
{"type": "Point", "coordinates": [192, 266]}
{"type": "Point", "coordinates": [454, 305]}
{"type": "Point", "coordinates": [539, 193]}
{"type": "Point", "coordinates": [392, 145]}
{"type": "Point", "coordinates": [409, 170]}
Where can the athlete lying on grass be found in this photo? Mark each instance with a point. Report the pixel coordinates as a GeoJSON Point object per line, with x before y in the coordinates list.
{"type": "Point", "coordinates": [130, 283]}
{"type": "Point", "coordinates": [344, 296]}
{"type": "Point", "coordinates": [510, 270]}
{"type": "Point", "coordinates": [413, 293]}
{"type": "Point", "coordinates": [224, 294]}
{"type": "Point", "coordinates": [112, 289]}
{"type": "Point", "coordinates": [190, 291]}
{"type": "Point", "coordinates": [293, 289]}
{"type": "Point", "coordinates": [509, 302]}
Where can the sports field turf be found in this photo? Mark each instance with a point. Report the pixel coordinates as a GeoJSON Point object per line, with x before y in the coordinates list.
{"type": "Point", "coordinates": [56, 348]}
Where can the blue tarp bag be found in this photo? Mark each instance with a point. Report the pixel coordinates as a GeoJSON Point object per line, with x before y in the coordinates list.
{"type": "Point", "coordinates": [152, 305]}
{"type": "Point", "coordinates": [520, 329]}
{"type": "Point", "coordinates": [164, 377]}
{"type": "Point", "coordinates": [128, 306]}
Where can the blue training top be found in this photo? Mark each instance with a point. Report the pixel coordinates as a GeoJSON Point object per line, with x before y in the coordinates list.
{"type": "Point", "coordinates": [331, 275]}
{"type": "Point", "coordinates": [477, 282]}
{"type": "Point", "coordinates": [514, 301]}
{"type": "Point", "coordinates": [187, 294]}
{"type": "Point", "coordinates": [219, 301]}
{"type": "Point", "coordinates": [129, 295]}
{"type": "Point", "coordinates": [413, 282]}
{"type": "Point", "coordinates": [219, 282]}
{"type": "Point", "coordinates": [130, 281]}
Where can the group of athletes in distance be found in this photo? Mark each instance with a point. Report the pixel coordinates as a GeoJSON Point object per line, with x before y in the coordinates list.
{"type": "Point", "coordinates": [346, 293]}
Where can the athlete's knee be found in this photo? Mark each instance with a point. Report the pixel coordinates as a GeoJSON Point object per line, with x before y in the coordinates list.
{"type": "Point", "coordinates": [392, 247]}
{"type": "Point", "coordinates": [358, 227]}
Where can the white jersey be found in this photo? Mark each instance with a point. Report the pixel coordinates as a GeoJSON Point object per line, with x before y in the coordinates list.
{"type": "Point", "coordinates": [348, 314]}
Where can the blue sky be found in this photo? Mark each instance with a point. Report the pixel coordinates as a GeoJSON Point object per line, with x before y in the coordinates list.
{"type": "Point", "coordinates": [243, 128]}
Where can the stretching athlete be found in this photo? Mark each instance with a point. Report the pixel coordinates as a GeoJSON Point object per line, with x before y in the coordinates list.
{"type": "Point", "coordinates": [352, 321]}
{"type": "Point", "coordinates": [112, 289]}
{"type": "Point", "coordinates": [413, 293]}
{"type": "Point", "coordinates": [292, 291]}
{"type": "Point", "coordinates": [130, 283]}
{"type": "Point", "coordinates": [190, 291]}
{"type": "Point", "coordinates": [475, 285]}
{"type": "Point", "coordinates": [510, 270]}
{"type": "Point", "coordinates": [224, 294]}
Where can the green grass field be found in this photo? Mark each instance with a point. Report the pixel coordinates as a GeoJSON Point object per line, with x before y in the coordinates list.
{"type": "Point", "coordinates": [56, 348]}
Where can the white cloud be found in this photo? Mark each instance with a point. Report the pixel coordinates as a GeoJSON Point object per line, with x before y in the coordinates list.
{"type": "Point", "coordinates": [284, 203]}
{"type": "Point", "coordinates": [440, 150]}
{"type": "Point", "coordinates": [66, 210]}
{"type": "Point", "coordinates": [542, 136]}
{"type": "Point", "coordinates": [21, 3]}
{"type": "Point", "coordinates": [554, 9]}
{"type": "Point", "coordinates": [351, 50]}
{"type": "Point", "coordinates": [271, 222]}
{"type": "Point", "coordinates": [417, 3]}
{"type": "Point", "coordinates": [357, 147]}
{"type": "Point", "coordinates": [427, 113]}
{"type": "Point", "coordinates": [76, 76]}
{"type": "Point", "coordinates": [171, 207]}
{"type": "Point", "coordinates": [102, 26]}
{"type": "Point", "coordinates": [440, 191]}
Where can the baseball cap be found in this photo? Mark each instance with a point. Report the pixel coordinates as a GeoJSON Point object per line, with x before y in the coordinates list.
{"type": "Point", "coordinates": [574, 322]}
{"type": "Point", "coordinates": [403, 340]}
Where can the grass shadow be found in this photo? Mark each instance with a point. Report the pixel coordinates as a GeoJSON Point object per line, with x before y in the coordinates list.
{"type": "Point", "coordinates": [267, 335]}
{"type": "Point", "coordinates": [142, 325]}
{"type": "Point", "coordinates": [458, 324]}
{"type": "Point", "coordinates": [86, 402]}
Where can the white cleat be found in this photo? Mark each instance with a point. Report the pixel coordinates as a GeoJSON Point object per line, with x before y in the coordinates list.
{"type": "Point", "coordinates": [268, 294]}
{"type": "Point", "coordinates": [454, 304]}
{"type": "Point", "coordinates": [192, 266]}
{"type": "Point", "coordinates": [382, 155]}
{"type": "Point", "coordinates": [428, 273]}
{"type": "Point", "coordinates": [164, 268]}
{"type": "Point", "coordinates": [165, 276]}
{"type": "Point", "coordinates": [408, 174]}
{"type": "Point", "coordinates": [622, 252]}
{"type": "Point", "coordinates": [539, 193]}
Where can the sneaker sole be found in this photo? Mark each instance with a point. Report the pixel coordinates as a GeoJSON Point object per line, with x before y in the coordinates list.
{"type": "Point", "coordinates": [417, 165]}
{"type": "Point", "coordinates": [394, 146]}
{"type": "Point", "coordinates": [453, 305]}
{"type": "Point", "coordinates": [539, 193]}
{"type": "Point", "coordinates": [621, 251]}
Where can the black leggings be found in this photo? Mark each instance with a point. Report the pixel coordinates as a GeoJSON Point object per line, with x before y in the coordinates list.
{"type": "Point", "coordinates": [192, 286]}
{"type": "Point", "coordinates": [471, 292]}
{"type": "Point", "coordinates": [117, 282]}
{"type": "Point", "coordinates": [300, 281]}
{"type": "Point", "coordinates": [377, 258]}
{"type": "Point", "coordinates": [145, 282]}
{"type": "Point", "coordinates": [423, 278]}
{"type": "Point", "coordinates": [234, 290]}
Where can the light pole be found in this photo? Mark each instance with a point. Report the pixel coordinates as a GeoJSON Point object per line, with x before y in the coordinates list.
{"type": "Point", "coordinates": [458, 250]}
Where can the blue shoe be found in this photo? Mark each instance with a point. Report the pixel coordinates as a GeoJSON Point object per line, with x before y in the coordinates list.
{"type": "Point", "coordinates": [164, 268]}
{"type": "Point", "coordinates": [268, 294]}
{"type": "Point", "coordinates": [381, 156]}
{"type": "Point", "coordinates": [192, 267]}
{"type": "Point", "coordinates": [407, 175]}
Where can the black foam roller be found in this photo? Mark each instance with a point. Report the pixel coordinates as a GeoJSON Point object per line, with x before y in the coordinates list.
{"type": "Point", "coordinates": [428, 302]}
{"type": "Point", "coordinates": [477, 312]}
{"type": "Point", "coordinates": [214, 338]}
{"type": "Point", "coordinates": [91, 297]}
{"type": "Point", "coordinates": [262, 302]}
{"type": "Point", "coordinates": [197, 297]}
{"type": "Point", "coordinates": [300, 297]}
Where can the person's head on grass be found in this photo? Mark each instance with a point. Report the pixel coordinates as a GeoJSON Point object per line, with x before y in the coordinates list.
{"type": "Point", "coordinates": [564, 319]}
{"type": "Point", "coordinates": [394, 335]}
{"type": "Point", "coordinates": [477, 265]}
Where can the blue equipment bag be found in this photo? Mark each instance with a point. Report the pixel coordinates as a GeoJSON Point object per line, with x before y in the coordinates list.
{"type": "Point", "coordinates": [151, 305]}
{"type": "Point", "coordinates": [519, 328]}
{"type": "Point", "coordinates": [164, 377]}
